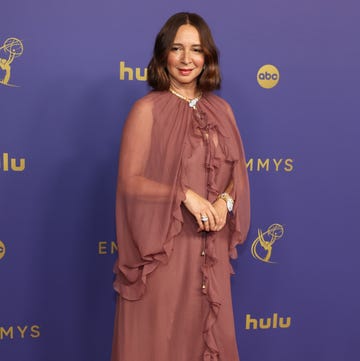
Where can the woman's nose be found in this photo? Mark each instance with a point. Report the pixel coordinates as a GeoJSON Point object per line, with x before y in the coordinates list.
{"type": "Point", "coordinates": [186, 58]}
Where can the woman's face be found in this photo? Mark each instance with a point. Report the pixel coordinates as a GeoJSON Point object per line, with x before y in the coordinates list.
{"type": "Point", "coordinates": [185, 61]}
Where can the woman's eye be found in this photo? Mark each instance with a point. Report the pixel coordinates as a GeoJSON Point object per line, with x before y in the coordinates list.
{"type": "Point", "coordinates": [175, 48]}
{"type": "Point", "coordinates": [198, 50]}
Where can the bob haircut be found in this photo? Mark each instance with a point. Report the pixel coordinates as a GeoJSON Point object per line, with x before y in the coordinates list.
{"type": "Point", "coordinates": [158, 77]}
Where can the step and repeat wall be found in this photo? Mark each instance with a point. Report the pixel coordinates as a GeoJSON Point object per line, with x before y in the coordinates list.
{"type": "Point", "coordinates": [69, 73]}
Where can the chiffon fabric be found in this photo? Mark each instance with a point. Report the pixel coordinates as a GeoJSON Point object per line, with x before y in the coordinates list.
{"type": "Point", "coordinates": [174, 301]}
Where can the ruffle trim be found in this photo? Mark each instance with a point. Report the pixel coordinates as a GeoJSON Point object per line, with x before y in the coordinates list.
{"type": "Point", "coordinates": [212, 163]}
{"type": "Point", "coordinates": [130, 283]}
{"type": "Point", "coordinates": [211, 352]}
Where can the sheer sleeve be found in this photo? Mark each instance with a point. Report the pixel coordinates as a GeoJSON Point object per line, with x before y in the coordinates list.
{"type": "Point", "coordinates": [134, 157]}
{"type": "Point", "coordinates": [148, 199]}
{"type": "Point", "coordinates": [240, 222]}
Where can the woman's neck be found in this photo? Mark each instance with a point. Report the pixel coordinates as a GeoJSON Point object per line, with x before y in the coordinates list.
{"type": "Point", "coordinates": [188, 91]}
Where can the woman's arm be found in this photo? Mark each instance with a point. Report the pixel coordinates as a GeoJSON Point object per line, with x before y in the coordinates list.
{"type": "Point", "coordinates": [134, 155]}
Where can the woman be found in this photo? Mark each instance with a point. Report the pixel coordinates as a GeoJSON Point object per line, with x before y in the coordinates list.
{"type": "Point", "coordinates": [182, 207]}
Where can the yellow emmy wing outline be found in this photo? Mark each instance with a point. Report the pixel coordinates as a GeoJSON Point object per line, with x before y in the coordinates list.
{"type": "Point", "coordinates": [15, 48]}
{"type": "Point", "coordinates": [275, 231]}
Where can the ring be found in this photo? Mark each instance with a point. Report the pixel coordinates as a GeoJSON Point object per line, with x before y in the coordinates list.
{"type": "Point", "coordinates": [204, 218]}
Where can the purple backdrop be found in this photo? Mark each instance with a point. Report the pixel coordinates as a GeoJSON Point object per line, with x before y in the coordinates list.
{"type": "Point", "coordinates": [62, 106]}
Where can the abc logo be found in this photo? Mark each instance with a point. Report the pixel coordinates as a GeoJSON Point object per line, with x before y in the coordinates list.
{"type": "Point", "coordinates": [2, 250]}
{"type": "Point", "coordinates": [268, 76]}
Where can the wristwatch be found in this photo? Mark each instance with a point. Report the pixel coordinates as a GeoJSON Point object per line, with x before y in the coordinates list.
{"type": "Point", "coordinates": [229, 201]}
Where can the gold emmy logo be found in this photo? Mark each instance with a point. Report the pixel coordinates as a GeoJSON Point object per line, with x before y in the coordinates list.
{"type": "Point", "coordinates": [2, 250]}
{"type": "Point", "coordinates": [261, 248]}
{"type": "Point", "coordinates": [268, 76]}
{"type": "Point", "coordinates": [12, 48]}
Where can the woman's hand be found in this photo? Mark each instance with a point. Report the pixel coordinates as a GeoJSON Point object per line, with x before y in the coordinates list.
{"type": "Point", "coordinates": [201, 207]}
{"type": "Point", "coordinates": [222, 211]}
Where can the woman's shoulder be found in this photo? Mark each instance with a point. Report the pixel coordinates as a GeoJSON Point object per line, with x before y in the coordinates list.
{"type": "Point", "coordinates": [150, 107]}
{"type": "Point", "coordinates": [147, 102]}
{"type": "Point", "coordinates": [218, 101]}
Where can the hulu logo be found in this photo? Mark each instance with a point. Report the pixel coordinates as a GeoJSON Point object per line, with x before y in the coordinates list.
{"type": "Point", "coordinates": [264, 324]}
{"type": "Point", "coordinates": [7, 164]}
{"type": "Point", "coordinates": [127, 73]}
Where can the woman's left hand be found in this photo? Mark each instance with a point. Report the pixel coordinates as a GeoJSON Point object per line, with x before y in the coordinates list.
{"type": "Point", "coordinates": [222, 211]}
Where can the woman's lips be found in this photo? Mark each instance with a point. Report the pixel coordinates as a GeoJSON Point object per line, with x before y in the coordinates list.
{"type": "Point", "coordinates": [185, 71]}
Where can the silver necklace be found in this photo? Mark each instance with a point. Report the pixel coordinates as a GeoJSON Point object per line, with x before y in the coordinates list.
{"type": "Point", "coordinates": [192, 102]}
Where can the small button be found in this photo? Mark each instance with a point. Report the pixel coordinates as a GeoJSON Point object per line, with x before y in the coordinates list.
{"type": "Point", "coordinates": [203, 253]}
{"type": "Point", "coordinates": [203, 286]}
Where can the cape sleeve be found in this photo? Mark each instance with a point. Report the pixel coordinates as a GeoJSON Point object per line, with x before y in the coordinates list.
{"type": "Point", "coordinates": [240, 221]}
{"type": "Point", "coordinates": [148, 199]}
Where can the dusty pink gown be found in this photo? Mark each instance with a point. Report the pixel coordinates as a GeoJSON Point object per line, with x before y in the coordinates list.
{"type": "Point", "coordinates": [174, 300]}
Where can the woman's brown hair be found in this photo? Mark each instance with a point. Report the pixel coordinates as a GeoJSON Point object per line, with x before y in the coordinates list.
{"type": "Point", "coordinates": [158, 76]}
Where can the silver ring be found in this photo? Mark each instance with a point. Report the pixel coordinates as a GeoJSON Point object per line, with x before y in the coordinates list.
{"type": "Point", "coordinates": [204, 218]}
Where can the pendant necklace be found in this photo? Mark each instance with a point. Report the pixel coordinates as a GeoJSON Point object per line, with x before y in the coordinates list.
{"type": "Point", "coordinates": [192, 102]}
